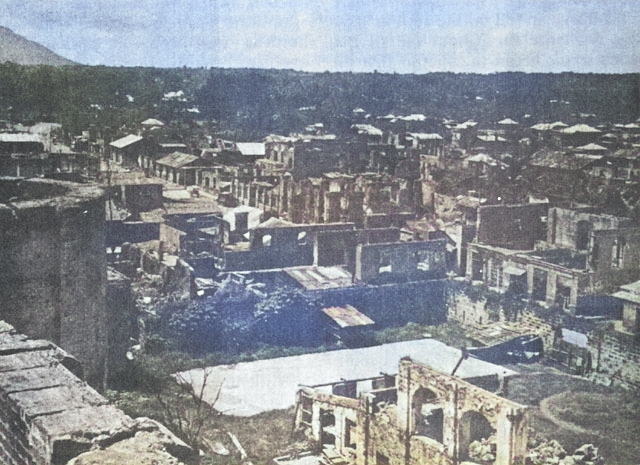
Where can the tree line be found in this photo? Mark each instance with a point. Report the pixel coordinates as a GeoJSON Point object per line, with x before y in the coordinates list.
{"type": "Point", "coordinates": [261, 101]}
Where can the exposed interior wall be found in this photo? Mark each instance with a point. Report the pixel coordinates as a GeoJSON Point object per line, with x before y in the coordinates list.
{"type": "Point", "coordinates": [402, 261]}
{"type": "Point", "coordinates": [512, 226]}
{"type": "Point", "coordinates": [570, 228]}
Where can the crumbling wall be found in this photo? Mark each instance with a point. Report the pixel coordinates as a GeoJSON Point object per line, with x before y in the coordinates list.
{"type": "Point", "coordinates": [616, 359]}
{"type": "Point", "coordinates": [401, 261]}
{"type": "Point", "coordinates": [461, 402]}
{"type": "Point", "coordinates": [53, 278]}
{"type": "Point", "coordinates": [570, 228]}
{"type": "Point", "coordinates": [515, 227]}
{"type": "Point", "coordinates": [48, 415]}
{"type": "Point", "coordinates": [614, 250]}
{"type": "Point", "coordinates": [393, 430]}
{"type": "Point", "coordinates": [121, 309]}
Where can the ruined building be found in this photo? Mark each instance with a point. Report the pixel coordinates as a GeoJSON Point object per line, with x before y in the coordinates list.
{"type": "Point", "coordinates": [552, 255]}
{"type": "Point", "coordinates": [419, 416]}
{"type": "Point", "coordinates": [54, 275]}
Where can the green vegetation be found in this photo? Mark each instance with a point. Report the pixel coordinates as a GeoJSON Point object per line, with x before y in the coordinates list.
{"type": "Point", "coordinates": [256, 102]}
{"type": "Point", "coordinates": [450, 333]}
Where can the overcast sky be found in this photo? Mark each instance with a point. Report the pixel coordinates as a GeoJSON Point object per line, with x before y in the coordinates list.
{"type": "Point", "coordinates": [404, 36]}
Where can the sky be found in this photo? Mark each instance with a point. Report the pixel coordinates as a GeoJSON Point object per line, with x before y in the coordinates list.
{"type": "Point", "coordinates": [401, 36]}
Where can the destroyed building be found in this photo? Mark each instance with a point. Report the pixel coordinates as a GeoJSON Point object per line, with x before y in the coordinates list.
{"type": "Point", "coordinates": [54, 280]}
{"type": "Point", "coordinates": [418, 416]}
{"type": "Point", "coordinates": [552, 257]}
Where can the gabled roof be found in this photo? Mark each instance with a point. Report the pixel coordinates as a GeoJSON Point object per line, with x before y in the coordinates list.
{"type": "Point", "coordinates": [152, 122]}
{"type": "Point", "coordinates": [251, 148]}
{"type": "Point", "coordinates": [177, 160]}
{"type": "Point", "coordinates": [592, 147]}
{"type": "Point", "coordinates": [466, 125]}
{"type": "Point", "coordinates": [508, 121]}
{"type": "Point", "coordinates": [483, 158]}
{"type": "Point", "coordinates": [580, 128]}
{"type": "Point", "coordinates": [126, 141]}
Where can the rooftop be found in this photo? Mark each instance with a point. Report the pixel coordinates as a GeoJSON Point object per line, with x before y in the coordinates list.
{"type": "Point", "coordinates": [246, 389]}
{"type": "Point", "coordinates": [347, 316]}
{"type": "Point", "coordinates": [125, 141]}
{"type": "Point", "coordinates": [19, 137]}
{"type": "Point", "coordinates": [580, 128]}
{"type": "Point", "coordinates": [251, 148]}
{"type": "Point", "coordinates": [321, 277]}
{"type": "Point", "coordinates": [177, 160]}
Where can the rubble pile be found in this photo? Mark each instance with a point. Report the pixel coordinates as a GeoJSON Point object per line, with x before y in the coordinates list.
{"type": "Point", "coordinates": [552, 453]}
{"type": "Point", "coordinates": [483, 451]}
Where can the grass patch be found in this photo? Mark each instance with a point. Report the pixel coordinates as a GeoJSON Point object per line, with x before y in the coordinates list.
{"type": "Point", "coordinates": [451, 333]}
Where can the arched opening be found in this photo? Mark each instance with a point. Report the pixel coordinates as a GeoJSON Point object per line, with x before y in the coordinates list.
{"type": "Point", "coordinates": [477, 439]}
{"type": "Point", "coordinates": [427, 414]}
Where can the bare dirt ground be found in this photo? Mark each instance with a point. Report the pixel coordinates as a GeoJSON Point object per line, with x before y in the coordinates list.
{"type": "Point", "coordinates": [574, 411]}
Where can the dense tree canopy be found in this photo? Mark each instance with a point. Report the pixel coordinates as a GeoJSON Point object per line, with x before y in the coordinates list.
{"type": "Point", "coordinates": [262, 101]}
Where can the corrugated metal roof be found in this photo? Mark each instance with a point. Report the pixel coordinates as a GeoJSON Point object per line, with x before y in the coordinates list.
{"type": "Point", "coordinates": [347, 316]}
{"type": "Point", "coordinates": [177, 160]}
{"type": "Point", "coordinates": [126, 141]}
{"type": "Point", "coordinates": [321, 277]}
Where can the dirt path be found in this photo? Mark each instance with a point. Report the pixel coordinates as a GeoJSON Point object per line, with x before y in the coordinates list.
{"type": "Point", "coordinates": [546, 413]}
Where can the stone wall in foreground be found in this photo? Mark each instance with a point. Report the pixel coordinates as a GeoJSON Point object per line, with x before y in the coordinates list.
{"type": "Point", "coordinates": [49, 416]}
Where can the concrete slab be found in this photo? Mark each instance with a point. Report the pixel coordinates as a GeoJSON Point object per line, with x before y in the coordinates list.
{"type": "Point", "coordinates": [250, 388]}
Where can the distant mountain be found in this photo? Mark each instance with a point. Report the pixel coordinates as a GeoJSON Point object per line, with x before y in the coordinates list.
{"type": "Point", "coordinates": [17, 49]}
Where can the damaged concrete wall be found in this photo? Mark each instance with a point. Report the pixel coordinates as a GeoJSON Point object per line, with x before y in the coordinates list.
{"type": "Point", "coordinates": [53, 279]}
{"type": "Point", "coordinates": [616, 249]}
{"type": "Point", "coordinates": [430, 418]}
{"type": "Point", "coordinates": [288, 246]}
{"type": "Point", "coordinates": [512, 226]}
{"type": "Point", "coordinates": [570, 228]}
{"type": "Point", "coordinates": [401, 261]}
{"type": "Point", "coordinates": [48, 415]}
{"type": "Point", "coordinates": [616, 359]}
{"type": "Point", "coordinates": [121, 309]}
{"type": "Point", "coordinates": [468, 412]}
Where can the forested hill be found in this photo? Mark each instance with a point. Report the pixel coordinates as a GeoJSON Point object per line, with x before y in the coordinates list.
{"type": "Point", "coordinates": [280, 101]}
